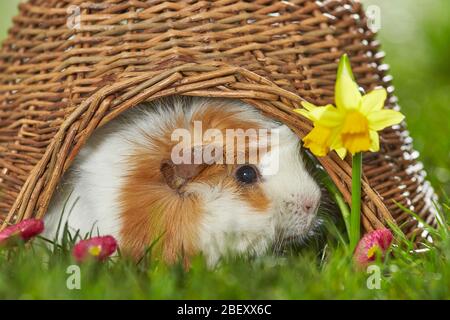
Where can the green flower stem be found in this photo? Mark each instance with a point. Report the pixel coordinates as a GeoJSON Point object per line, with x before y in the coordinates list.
{"type": "Point", "coordinates": [355, 214]}
{"type": "Point", "coordinates": [344, 210]}
{"type": "Point", "coordinates": [337, 196]}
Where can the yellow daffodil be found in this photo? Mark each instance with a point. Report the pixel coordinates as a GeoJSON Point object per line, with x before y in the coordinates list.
{"type": "Point", "coordinates": [353, 125]}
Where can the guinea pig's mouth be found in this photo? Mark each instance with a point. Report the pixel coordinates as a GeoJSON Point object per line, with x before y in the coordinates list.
{"type": "Point", "coordinates": [295, 234]}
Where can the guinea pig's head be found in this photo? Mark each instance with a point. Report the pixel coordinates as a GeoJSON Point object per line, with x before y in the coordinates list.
{"type": "Point", "coordinates": [203, 196]}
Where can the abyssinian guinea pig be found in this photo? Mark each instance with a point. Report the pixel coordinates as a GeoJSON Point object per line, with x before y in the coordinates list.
{"type": "Point", "coordinates": [132, 180]}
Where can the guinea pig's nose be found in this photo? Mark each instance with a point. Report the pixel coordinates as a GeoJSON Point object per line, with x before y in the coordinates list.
{"type": "Point", "coordinates": [309, 205]}
{"type": "Point", "coordinates": [302, 204]}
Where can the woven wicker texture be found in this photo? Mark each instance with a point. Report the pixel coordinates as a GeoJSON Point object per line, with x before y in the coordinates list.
{"type": "Point", "coordinates": [61, 78]}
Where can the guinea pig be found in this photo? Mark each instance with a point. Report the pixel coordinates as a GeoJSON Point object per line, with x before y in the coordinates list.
{"type": "Point", "coordinates": [132, 181]}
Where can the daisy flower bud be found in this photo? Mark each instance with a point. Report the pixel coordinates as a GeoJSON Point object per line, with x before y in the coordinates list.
{"type": "Point", "coordinates": [23, 231]}
{"type": "Point", "coordinates": [98, 248]}
{"type": "Point", "coordinates": [372, 244]}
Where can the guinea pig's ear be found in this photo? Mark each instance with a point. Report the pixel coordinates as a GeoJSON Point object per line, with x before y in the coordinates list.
{"type": "Point", "coordinates": [178, 175]}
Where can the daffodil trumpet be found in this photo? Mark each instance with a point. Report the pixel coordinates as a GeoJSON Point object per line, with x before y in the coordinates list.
{"type": "Point", "coordinates": [351, 126]}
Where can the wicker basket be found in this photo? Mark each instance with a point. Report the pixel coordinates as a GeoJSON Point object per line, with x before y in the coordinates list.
{"type": "Point", "coordinates": [62, 75]}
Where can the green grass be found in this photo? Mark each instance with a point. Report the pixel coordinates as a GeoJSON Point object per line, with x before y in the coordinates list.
{"type": "Point", "coordinates": [322, 270]}
{"type": "Point", "coordinates": [415, 37]}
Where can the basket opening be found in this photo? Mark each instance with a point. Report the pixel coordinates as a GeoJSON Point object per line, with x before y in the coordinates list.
{"type": "Point", "coordinates": [112, 99]}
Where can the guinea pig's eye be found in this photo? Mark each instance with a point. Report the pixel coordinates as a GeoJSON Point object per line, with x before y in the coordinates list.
{"type": "Point", "coordinates": [246, 174]}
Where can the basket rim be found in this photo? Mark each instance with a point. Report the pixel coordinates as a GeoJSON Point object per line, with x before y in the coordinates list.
{"type": "Point", "coordinates": [44, 83]}
{"type": "Point", "coordinates": [91, 114]}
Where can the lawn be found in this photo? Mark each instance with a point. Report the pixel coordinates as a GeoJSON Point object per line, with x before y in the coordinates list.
{"type": "Point", "coordinates": [415, 37]}
{"type": "Point", "coordinates": [320, 270]}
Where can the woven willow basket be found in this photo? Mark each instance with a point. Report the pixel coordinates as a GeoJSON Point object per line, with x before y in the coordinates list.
{"type": "Point", "coordinates": [62, 75]}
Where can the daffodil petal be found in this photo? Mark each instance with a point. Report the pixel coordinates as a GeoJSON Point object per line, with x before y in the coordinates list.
{"type": "Point", "coordinates": [304, 113]}
{"type": "Point", "coordinates": [312, 115]}
{"type": "Point", "coordinates": [312, 112]}
{"type": "Point", "coordinates": [317, 140]}
{"type": "Point", "coordinates": [337, 144]}
{"type": "Point", "coordinates": [341, 152]}
{"type": "Point", "coordinates": [373, 101]}
{"type": "Point", "coordinates": [328, 116]}
{"type": "Point", "coordinates": [347, 95]}
{"type": "Point", "coordinates": [374, 141]}
{"type": "Point", "coordinates": [381, 119]}
{"type": "Point", "coordinates": [308, 106]}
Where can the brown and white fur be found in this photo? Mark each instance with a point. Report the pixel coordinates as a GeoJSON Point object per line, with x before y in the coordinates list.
{"type": "Point", "coordinates": [123, 183]}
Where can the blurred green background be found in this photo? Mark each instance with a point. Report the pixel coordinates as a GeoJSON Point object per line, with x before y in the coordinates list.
{"type": "Point", "coordinates": [415, 34]}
